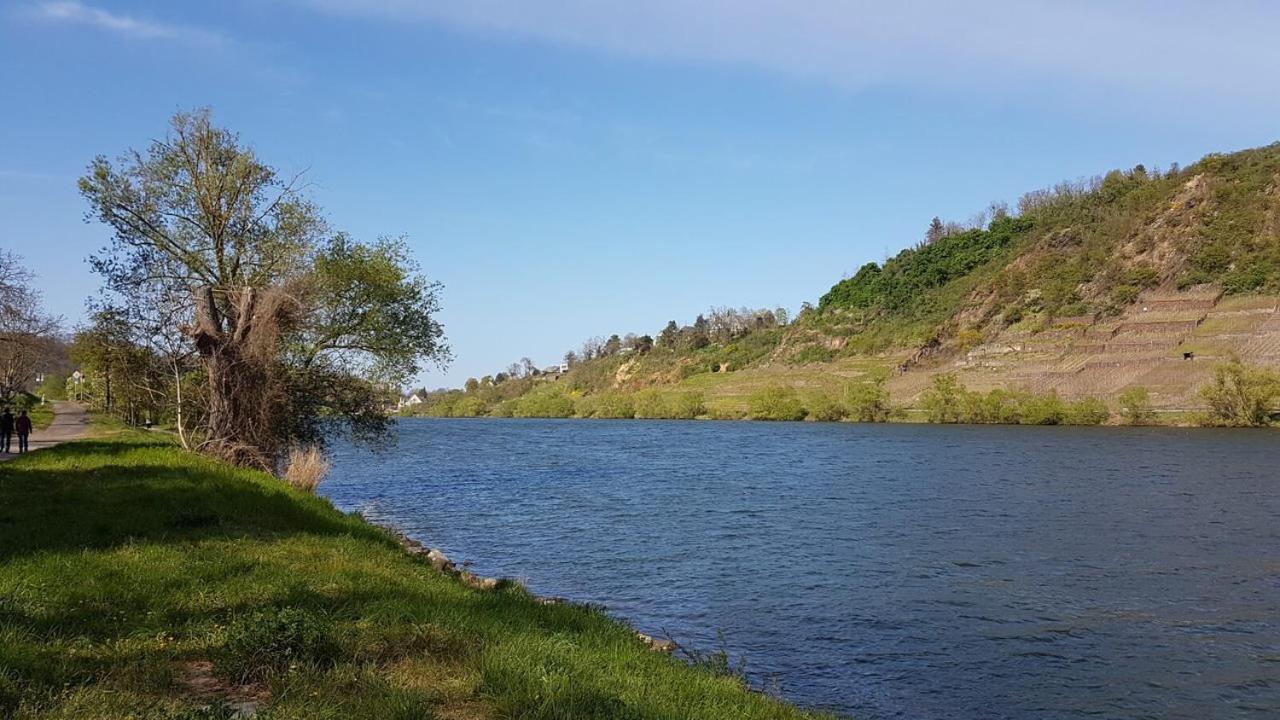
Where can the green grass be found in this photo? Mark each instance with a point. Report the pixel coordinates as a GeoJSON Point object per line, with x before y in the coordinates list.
{"type": "Point", "coordinates": [126, 562]}
{"type": "Point", "coordinates": [41, 415]}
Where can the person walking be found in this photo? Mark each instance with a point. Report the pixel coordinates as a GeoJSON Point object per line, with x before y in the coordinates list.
{"type": "Point", "coordinates": [23, 427]}
{"type": "Point", "coordinates": [6, 429]}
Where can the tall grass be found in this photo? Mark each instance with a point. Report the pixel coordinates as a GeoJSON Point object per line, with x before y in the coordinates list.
{"type": "Point", "coordinates": [305, 468]}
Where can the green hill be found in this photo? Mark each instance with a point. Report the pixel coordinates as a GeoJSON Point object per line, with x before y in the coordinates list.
{"type": "Point", "coordinates": [1083, 290]}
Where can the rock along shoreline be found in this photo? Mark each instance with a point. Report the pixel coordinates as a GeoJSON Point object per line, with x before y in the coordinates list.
{"type": "Point", "coordinates": [436, 558]}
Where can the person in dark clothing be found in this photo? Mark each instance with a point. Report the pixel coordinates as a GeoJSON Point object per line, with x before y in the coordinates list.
{"type": "Point", "coordinates": [6, 430]}
{"type": "Point", "coordinates": [23, 427]}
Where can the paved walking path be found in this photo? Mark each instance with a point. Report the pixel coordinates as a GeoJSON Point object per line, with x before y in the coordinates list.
{"type": "Point", "coordinates": [70, 422]}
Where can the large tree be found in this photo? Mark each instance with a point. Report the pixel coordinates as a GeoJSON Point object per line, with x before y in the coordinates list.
{"type": "Point", "coordinates": [297, 327]}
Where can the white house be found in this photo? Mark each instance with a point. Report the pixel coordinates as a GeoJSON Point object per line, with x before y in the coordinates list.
{"type": "Point", "coordinates": [413, 399]}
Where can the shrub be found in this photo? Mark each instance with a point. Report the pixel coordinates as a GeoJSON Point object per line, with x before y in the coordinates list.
{"type": "Point", "coordinates": [54, 387]}
{"type": "Point", "coordinates": [1089, 411]}
{"type": "Point", "coordinates": [689, 370]}
{"type": "Point", "coordinates": [650, 404]}
{"type": "Point", "coordinates": [544, 404]}
{"type": "Point", "coordinates": [687, 405]}
{"type": "Point", "coordinates": [608, 406]}
{"type": "Point", "coordinates": [306, 467]}
{"type": "Point", "coordinates": [504, 409]}
{"type": "Point", "coordinates": [813, 354]}
{"type": "Point", "coordinates": [270, 641]}
{"type": "Point", "coordinates": [776, 402]}
{"type": "Point", "coordinates": [725, 413]}
{"type": "Point", "coordinates": [867, 401]}
{"type": "Point", "coordinates": [442, 407]}
{"type": "Point", "coordinates": [825, 409]}
{"type": "Point", "coordinates": [585, 406]}
{"type": "Point", "coordinates": [1143, 275]}
{"type": "Point", "coordinates": [1135, 406]}
{"type": "Point", "coordinates": [967, 339]}
{"type": "Point", "coordinates": [468, 407]}
{"type": "Point", "coordinates": [1241, 395]}
{"type": "Point", "coordinates": [1041, 410]}
{"type": "Point", "coordinates": [1124, 294]}
{"type": "Point", "coordinates": [941, 400]}
{"type": "Point", "coordinates": [995, 406]}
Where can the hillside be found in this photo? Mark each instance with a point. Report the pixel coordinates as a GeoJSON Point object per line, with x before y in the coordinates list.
{"type": "Point", "coordinates": [1135, 279]}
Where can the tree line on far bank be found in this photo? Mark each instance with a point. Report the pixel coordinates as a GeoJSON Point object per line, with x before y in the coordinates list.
{"type": "Point", "coordinates": [1239, 396]}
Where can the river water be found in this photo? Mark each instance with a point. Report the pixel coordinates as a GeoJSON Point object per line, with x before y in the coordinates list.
{"type": "Point", "coordinates": [884, 571]}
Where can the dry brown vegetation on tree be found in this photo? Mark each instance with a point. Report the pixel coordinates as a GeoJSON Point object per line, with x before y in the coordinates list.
{"type": "Point", "coordinates": [298, 329]}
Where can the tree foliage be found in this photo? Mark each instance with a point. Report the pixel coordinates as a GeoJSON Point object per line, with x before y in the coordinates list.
{"type": "Point", "coordinates": [867, 401]}
{"type": "Point", "coordinates": [296, 327]}
{"type": "Point", "coordinates": [941, 401]}
{"type": "Point", "coordinates": [1135, 406]}
{"type": "Point", "coordinates": [1241, 395]}
{"type": "Point", "coordinates": [775, 402]}
{"type": "Point", "coordinates": [902, 283]}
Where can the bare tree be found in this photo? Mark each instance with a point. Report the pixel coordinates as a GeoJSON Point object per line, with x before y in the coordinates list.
{"type": "Point", "coordinates": [26, 330]}
{"type": "Point", "coordinates": [592, 348]}
{"type": "Point", "coordinates": [527, 368]}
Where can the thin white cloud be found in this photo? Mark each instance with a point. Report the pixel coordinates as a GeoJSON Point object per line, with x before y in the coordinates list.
{"type": "Point", "coordinates": [68, 11]}
{"type": "Point", "coordinates": [1154, 49]}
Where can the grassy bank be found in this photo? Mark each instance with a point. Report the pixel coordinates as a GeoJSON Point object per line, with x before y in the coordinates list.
{"type": "Point", "coordinates": [140, 581]}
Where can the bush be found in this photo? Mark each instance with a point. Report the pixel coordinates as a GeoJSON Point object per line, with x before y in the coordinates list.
{"type": "Point", "coordinates": [306, 467]}
{"type": "Point", "coordinates": [995, 406]}
{"type": "Point", "coordinates": [1089, 411]}
{"type": "Point", "coordinates": [941, 401]}
{"type": "Point", "coordinates": [442, 407]}
{"type": "Point", "coordinates": [504, 409]}
{"type": "Point", "coordinates": [1240, 395]}
{"type": "Point", "coordinates": [867, 401]}
{"type": "Point", "coordinates": [650, 404]}
{"type": "Point", "coordinates": [813, 354]}
{"type": "Point", "coordinates": [544, 404]}
{"type": "Point", "coordinates": [825, 409]}
{"type": "Point", "coordinates": [687, 405]}
{"type": "Point", "coordinates": [610, 405]}
{"type": "Point", "coordinates": [1041, 410]}
{"type": "Point", "coordinates": [271, 641]}
{"type": "Point", "coordinates": [54, 387]}
{"type": "Point", "coordinates": [470, 406]}
{"type": "Point", "coordinates": [1135, 406]}
{"type": "Point", "coordinates": [775, 402]}
{"type": "Point", "coordinates": [725, 413]}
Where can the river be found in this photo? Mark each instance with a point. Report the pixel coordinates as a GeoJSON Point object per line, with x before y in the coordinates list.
{"type": "Point", "coordinates": [884, 571]}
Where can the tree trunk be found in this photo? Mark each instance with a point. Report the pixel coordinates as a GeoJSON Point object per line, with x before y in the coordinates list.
{"type": "Point", "coordinates": [177, 388]}
{"type": "Point", "coordinates": [236, 382]}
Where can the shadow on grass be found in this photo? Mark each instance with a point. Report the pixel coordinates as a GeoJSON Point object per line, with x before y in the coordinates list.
{"type": "Point", "coordinates": [100, 494]}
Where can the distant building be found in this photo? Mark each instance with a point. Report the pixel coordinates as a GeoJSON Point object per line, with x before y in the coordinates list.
{"type": "Point", "coordinates": [413, 399]}
{"type": "Point", "coordinates": [554, 371]}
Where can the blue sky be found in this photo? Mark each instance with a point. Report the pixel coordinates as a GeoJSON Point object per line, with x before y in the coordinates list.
{"type": "Point", "coordinates": [574, 168]}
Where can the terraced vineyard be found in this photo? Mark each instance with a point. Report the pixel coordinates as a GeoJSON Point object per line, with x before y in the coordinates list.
{"type": "Point", "coordinates": [1168, 342]}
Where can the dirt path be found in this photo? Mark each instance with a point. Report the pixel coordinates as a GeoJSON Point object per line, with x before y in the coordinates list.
{"type": "Point", "coordinates": [70, 422]}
